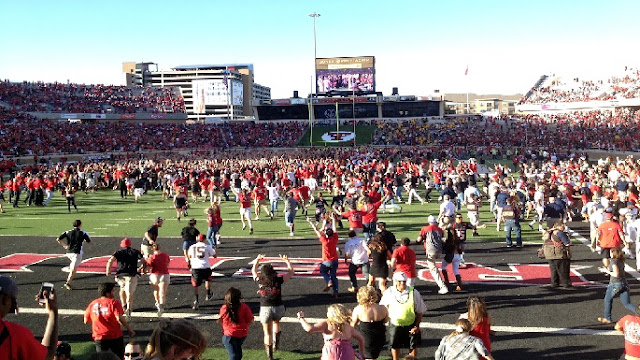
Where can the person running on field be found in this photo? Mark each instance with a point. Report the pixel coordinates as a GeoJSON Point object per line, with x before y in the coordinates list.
{"type": "Point", "coordinates": [271, 304]}
{"type": "Point", "coordinates": [199, 255]}
{"type": "Point", "coordinates": [127, 272]}
{"type": "Point", "coordinates": [150, 237]}
{"type": "Point", "coordinates": [73, 241]}
{"type": "Point", "coordinates": [189, 237]}
{"type": "Point", "coordinates": [158, 265]}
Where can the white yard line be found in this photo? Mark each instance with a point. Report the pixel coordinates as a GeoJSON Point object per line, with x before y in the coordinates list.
{"type": "Point", "coordinates": [423, 325]}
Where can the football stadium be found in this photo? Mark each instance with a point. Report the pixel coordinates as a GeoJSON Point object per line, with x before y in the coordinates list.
{"type": "Point", "coordinates": [186, 213]}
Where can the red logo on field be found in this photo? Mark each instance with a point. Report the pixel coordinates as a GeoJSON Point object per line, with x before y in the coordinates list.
{"type": "Point", "coordinates": [19, 262]}
{"type": "Point", "coordinates": [303, 267]}
{"type": "Point", "coordinates": [338, 136]}
{"type": "Point", "coordinates": [519, 274]}
{"type": "Point", "coordinates": [177, 267]}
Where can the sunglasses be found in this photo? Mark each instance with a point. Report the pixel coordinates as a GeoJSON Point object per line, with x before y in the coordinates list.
{"type": "Point", "coordinates": [133, 354]}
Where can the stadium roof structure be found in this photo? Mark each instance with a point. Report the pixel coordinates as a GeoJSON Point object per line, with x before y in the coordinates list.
{"type": "Point", "coordinates": [213, 67]}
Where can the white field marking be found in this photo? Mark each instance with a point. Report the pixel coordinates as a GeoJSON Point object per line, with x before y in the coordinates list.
{"type": "Point", "coordinates": [627, 268]}
{"type": "Point", "coordinates": [423, 325]}
{"type": "Point", "coordinates": [99, 229]}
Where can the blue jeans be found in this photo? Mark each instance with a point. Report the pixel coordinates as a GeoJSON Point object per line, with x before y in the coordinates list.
{"type": "Point", "coordinates": [274, 205]}
{"type": "Point", "coordinates": [233, 345]}
{"type": "Point", "coordinates": [614, 289]}
{"type": "Point", "coordinates": [330, 267]}
{"type": "Point", "coordinates": [512, 224]}
{"type": "Point", "coordinates": [211, 235]}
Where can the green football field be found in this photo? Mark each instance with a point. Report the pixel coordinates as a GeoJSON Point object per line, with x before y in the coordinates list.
{"type": "Point", "coordinates": [104, 213]}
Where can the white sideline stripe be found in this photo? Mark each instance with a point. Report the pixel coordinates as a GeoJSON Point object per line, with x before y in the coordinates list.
{"type": "Point", "coordinates": [423, 325]}
{"type": "Point", "coordinates": [627, 268]}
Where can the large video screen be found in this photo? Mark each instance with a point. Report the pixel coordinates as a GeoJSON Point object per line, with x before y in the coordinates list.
{"type": "Point", "coordinates": [345, 74]}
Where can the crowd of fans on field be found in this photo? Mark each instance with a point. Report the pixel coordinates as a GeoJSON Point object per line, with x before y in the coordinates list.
{"type": "Point", "coordinates": [94, 99]}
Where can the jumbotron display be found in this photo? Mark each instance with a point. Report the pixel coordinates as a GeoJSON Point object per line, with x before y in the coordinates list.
{"type": "Point", "coordinates": [345, 74]}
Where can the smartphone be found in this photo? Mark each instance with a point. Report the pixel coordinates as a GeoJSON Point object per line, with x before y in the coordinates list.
{"type": "Point", "coordinates": [45, 286]}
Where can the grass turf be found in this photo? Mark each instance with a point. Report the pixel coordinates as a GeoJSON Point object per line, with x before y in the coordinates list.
{"type": "Point", "coordinates": [104, 213]}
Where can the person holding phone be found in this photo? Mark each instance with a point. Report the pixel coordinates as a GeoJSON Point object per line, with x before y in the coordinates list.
{"type": "Point", "coordinates": [19, 342]}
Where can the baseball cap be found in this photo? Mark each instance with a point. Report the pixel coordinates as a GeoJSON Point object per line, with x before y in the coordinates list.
{"type": "Point", "coordinates": [126, 242]}
{"type": "Point", "coordinates": [63, 348]}
{"type": "Point", "coordinates": [200, 237]}
{"type": "Point", "coordinates": [158, 219]}
{"type": "Point", "coordinates": [400, 276]}
{"type": "Point", "coordinates": [9, 288]}
{"type": "Point", "coordinates": [608, 215]}
{"type": "Point", "coordinates": [432, 219]}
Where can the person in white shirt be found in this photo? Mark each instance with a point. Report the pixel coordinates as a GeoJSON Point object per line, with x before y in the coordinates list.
{"type": "Point", "coordinates": [447, 209]}
{"type": "Point", "coordinates": [356, 248]}
{"type": "Point", "coordinates": [274, 196]}
{"type": "Point", "coordinates": [199, 255]}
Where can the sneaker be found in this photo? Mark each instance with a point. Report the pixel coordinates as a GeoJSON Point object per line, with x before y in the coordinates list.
{"type": "Point", "coordinates": [67, 286]}
{"type": "Point", "coordinates": [326, 288]}
{"type": "Point", "coordinates": [209, 297]}
{"type": "Point", "coordinates": [195, 305]}
{"type": "Point", "coordinates": [127, 314]}
{"type": "Point", "coordinates": [443, 291]}
{"type": "Point", "coordinates": [291, 233]}
{"type": "Point", "coordinates": [352, 289]}
{"type": "Point", "coordinates": [400, 209]}
{"type": "Point", "coordinates": [520, 246]}
{"type": "Point", "coordinates": [251, 231]}
{"type": "Point", "coordinates": [257, 218]}
{"type": "Point", "coordinates": [271, 217]}
{"type": "Point", "coordinates": [475, 233]}
{"type": "Point", "coordinates": [244, 227]}
{"type": "Point", "coordinates": [530, 226]}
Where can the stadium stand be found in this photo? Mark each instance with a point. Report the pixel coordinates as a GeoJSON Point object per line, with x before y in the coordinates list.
{"type": "Point", "coordinates": [556, 89]}
{"type": "Point", "coordinates": [81, 98]}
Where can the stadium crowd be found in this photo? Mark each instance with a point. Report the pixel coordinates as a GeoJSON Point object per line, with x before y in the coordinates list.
{"type": "Point", "coordinates": [93, 99]}
{"type": "Point", "coordinates": [626, 86]}
{"type": "Point", "coordinates": [44, 137]}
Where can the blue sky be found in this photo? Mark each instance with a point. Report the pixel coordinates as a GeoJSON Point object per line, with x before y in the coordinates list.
{"type": "Point", "coordinates": [419, 45]}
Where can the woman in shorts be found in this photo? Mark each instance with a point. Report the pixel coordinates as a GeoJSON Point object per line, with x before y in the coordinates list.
{"type": "Point", "coordinates": [158, 266]}
{"type": "Point", "coordinates": [271, 305]}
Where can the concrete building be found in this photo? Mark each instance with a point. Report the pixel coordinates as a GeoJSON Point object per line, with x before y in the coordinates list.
{"type": "Point", "coordinates": [209, 91]}
{"type": "Point", "coordinates": [493, 104]}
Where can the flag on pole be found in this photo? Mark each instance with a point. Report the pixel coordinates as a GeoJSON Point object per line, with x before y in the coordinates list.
{"type": "Point", "coordinates": [466, 72]}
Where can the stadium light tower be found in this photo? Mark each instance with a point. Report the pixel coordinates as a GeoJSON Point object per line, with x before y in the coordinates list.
{"type": "Point", "coordinates": [313, 15]}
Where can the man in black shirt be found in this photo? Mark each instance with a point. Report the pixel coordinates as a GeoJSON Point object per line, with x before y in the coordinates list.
{"type": "Point", "coordinates": [338, 203]}
{"type": "Point", "coordinates": [127, 273]}
{"type": "Point", "coordinates": [189, 237]}
{"type": "Point", "coordinates": [73, 240]}
{"type": "Point", "coordinates": [150, 237]}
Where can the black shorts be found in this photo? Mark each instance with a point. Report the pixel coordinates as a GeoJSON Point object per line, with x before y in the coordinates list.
{"type": "Point", "coordinates": [400, 338]}
{"type": "Point", "coordinates": [606, 253]}
{"type": "Point", "coordinates": [198, 276]}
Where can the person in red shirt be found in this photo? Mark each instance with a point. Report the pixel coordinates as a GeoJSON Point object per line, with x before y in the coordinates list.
{"type": "Point", "coordinates": [404, 260]}
{"type": "Point", "coordinates": [355, 219]}
{"type": "Point", "coordinates": [610, 235]}
{"type": "Point", "coordinates": [107, 318]}
{"type": "Point", "coordinates": [235, 318]}
{"type": "Point", "coordinates": [19, 342]}
{"type": "Point", "coordinates": [329, 266]}
{"type": "Point", "coordinates": [370, 218]}
{"type": "Point", "coordinates": [629, 325]}
{"type": "Point", "coordinates": [260, 200]}
{"type": "Point", "coordinates": [18, 181]}
{"type": "Point", "coordinates": [244, 197]}
{"type": "Point", "coordinates": [158, 265]}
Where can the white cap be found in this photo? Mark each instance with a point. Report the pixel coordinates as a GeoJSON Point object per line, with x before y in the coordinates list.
{"type": "Point", "coordinates": [399, 276]}
{"type": "Point", "coordinates": [432, 219]}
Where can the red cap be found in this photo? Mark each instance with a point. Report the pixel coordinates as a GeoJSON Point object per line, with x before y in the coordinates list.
{"type": "Point", "coordinates": [608, 215]}
{"type": "Point", "coordinates": [125, 243]}
{"type": "Point", "coordinates": [200, 237]}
